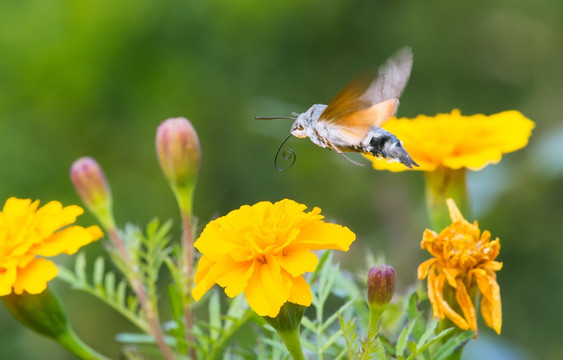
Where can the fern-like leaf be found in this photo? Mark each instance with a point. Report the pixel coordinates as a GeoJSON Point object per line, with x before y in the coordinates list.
{"type": "Point", "coordinates": [103, 286]}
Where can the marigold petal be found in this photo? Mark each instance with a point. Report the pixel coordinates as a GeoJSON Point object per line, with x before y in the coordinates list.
{"type": "Point", "coordinates": [202, 278]}
{"type": "Point", "coordinates": [14, 207]}
{"type": "Point", "coordinates": [450, 275]}
{"type": "Point", "coordinates": [491, 308]}
{"type": "Point", "coordinates": [466, 305]}
{"type": "Point", "coordinates": [297, 261]}
{"type": "Point", "coordinates": [217, 240]}
{"type": "Point", "coordinates": [423, 268]}
{"type": "Point", "coordinates": [34, 277]}
{"type": "Point", "coordinates": [428, 238]}
{"type": "Point", "coordinates": [492, 265]}
{"type": "Point", "coordinates": [52, 216]}
{"type": "Point", "coordinates": [68, 240]}
{"type": "Point", "coordinates": [434, 285]}
{"type": "Point", "coordinates": [440, 306]}
{"type": "Point", "coordinates": [203, 266]}
{"type": "Point", "coordinates": [267, 290]}
{"type": "Point", "coordinates": [452, 315]}
{"type": "Point", "coordinates": [455, 214]}
{"type": "Point", "coordinates": [7, 280]}
{"type": "Point", "coordinates": [235, 279]}
{"type": "Point", "coordinates": [492, 314]}
{"type": "Point", "coordinates": [320, 235]}
{"type": "Point", "coordinates": [300, 292]}
{"type": "Point", "coordinates": [474, 161]}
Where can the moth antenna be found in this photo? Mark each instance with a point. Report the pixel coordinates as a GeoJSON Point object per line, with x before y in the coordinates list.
{"type": "Point", "coordinates": [287, 154]}
{"type": "Point", "coordinates": [294, 114]}
{"type": "Point", "coordinates": [273, 117]}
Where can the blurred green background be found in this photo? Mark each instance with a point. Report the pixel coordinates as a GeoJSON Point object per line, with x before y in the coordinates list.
{"type": "Point", "coordinates": [97, 77]}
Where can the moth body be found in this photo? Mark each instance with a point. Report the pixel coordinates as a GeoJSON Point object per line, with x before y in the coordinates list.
{"type": "Point", "coordinates": [377, 141]}
{"type": "Point", "coordinates": [352, 120]}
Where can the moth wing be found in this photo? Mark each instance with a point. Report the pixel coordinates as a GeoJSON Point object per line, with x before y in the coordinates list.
{"type": "Point", "coordinates": [354, 126]}
{"type": "Point", "coordinates": [392, 77]}
{"type": "Point", "coordinates": [370, 100]}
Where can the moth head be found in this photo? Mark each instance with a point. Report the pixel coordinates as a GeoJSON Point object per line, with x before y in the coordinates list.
{"type": "Point", "coordinates": [299, 128]}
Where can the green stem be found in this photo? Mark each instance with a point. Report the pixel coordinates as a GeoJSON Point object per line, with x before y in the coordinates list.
{"type": "Point", "coordinates": [374, 317]}
{"type": "Point", "coordinates": [184, 197]}
{"type": "Point", "coordinates": [441, 184]}
{"type": "Point", "coordinates": [74, 345]}
{"type": "Point", "coordinates": [149, 307]}
{"type": "Point", "coordinates": [292, 343]}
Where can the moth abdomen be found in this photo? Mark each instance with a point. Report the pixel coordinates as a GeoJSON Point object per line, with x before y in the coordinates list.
{"type": "Point", "coordinates": [382, 143]}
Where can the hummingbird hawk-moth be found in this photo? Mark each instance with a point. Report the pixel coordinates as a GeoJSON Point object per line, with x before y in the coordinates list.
{"type": "Point", "coordinates": [352, 121]}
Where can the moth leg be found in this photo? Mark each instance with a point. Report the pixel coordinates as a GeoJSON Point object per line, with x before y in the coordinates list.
{"type": "Point", "coordinates": [335, 148]}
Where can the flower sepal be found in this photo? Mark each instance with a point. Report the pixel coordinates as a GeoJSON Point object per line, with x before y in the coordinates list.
{"type": "Point", "coordinates": [289, 317]}
{"type": "Point", "coordinates": [44, 314]}
{"type": "Point", "coordinates": [286, 324]}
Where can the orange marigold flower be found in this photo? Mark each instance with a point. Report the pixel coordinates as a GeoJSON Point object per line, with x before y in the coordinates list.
{"type": "Point", "coordinates": [263, 250]}
{"type": "Point", "coordinates": [27, 232]}
{"type": "Point", "coordinates": [463, 266]}
{"type": "Point", "coordinates": [456, 141]}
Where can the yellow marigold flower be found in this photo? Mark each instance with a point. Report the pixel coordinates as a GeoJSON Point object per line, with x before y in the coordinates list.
{"type": "Point", "coordinates": [456, 141]}
{"type": "Point", "coordinates": [27, 232]}
{"type": "Point", "coordinates": [463, 266]}
{"type": "Point", "coordinates": [263, 250]}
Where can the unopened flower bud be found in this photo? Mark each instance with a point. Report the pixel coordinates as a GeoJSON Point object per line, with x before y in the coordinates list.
{"type": "Point", "coordinates": [381, 285]}
{"type": "Point", "coordinates": [92, 187]}
{"type": "Point", "coordinates": [44, 314]}
{"type": "Point", "coordinates": [179, 153]}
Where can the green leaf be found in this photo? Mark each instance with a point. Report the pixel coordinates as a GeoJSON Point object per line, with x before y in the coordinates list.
{"type": "Point", "coordinates": [214, 307]}
{"type": "Point", "coordinates": [412, 347]}
{"type": "Point", "coordinates": [428, 333]}
{"type": "Point", "coordinates": [109, 285]}
{"type": "Point", "coordinates": [328, 342]}
{"type": "Point", "coordinates": [103, 287]}
{"type": "Point", "coordinates": [121, 292]}
{"type": "Point", "coordinates": [66, 275]}
{"type": "Point", "coordinates": [403, 338]}
{"type": "Point", "coordinates": [308, 324]}
{"type": "Point", "coordinates": [453, 344]}
{"type": "Point", "coordinates": [98, 276]}
{"type": "Point", "coordinates": [80, 268]}
{"type": "Point", "coordinates": [338, 313]}
{"type": "Point", "coordinates": [327, 256]}
{"type": "Point", "coordinates": [237, 309]}
{"type": "Point", "coordinates": [413, 307]}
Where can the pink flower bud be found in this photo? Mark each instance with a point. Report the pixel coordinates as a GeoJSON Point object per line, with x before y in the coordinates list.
{"type": "Point", "coordinates": [90, 182]}
{"type": "Point", "coordinates": [179, 152]}
{"type": "Point", "coordinates": [381, 285]}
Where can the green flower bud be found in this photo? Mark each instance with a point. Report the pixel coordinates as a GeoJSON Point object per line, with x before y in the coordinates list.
{"type": "Point", "coordinates": [90, 182]}
{"type": "Point", "coordinates": [381, 285]}
{"type": "Point", "coordinates": [179, 152]}
{"type": "Point", "coordinates": [44, 314]}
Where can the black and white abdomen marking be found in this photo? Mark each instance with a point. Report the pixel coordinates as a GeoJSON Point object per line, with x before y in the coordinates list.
{"type": "Point", "coordinates": [382, 143]}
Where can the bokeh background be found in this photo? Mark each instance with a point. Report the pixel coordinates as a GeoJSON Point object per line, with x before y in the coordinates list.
{"type": "Point", "coordinates": [97, 77]}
